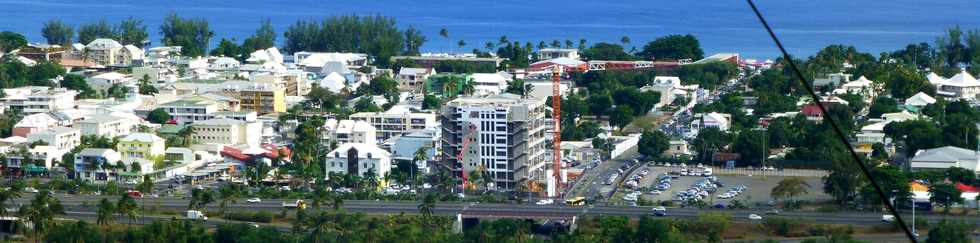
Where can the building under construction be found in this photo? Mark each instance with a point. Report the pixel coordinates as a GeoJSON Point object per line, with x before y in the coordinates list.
{"type": "Point", "coordinates": [506, 139]}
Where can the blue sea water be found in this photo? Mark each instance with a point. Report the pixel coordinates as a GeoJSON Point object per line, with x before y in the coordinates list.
{"type": "Point", "coordinates": [805, 26]}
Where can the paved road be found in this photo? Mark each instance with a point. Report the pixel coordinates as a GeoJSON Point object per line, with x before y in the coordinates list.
{"type": "Point", "coordinates": [88, 204]}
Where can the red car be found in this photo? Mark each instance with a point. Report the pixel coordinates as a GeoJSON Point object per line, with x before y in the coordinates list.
{"type": "Point", "coordinates": [135, 194]}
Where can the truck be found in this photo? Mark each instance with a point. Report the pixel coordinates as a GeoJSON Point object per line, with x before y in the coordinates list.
{"type": "Point", "coordinates": [196, 215]}
{"type": "Point", "coordinates": [300, 204]}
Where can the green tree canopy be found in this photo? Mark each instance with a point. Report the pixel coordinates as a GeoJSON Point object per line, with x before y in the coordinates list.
{"type": "Point", "coordinates": [57, 32]}
{"type": "Point", "coordinates": [673, 47]}
{"type": "Point", "coordinates": [606, 51]}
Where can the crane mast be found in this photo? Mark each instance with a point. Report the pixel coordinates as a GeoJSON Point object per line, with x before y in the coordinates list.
{"type": "Point", "coordinates": [556, 116]}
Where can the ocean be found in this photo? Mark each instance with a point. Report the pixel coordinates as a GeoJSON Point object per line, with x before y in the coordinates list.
{"type": "Point", "coordinates": [804, 26]}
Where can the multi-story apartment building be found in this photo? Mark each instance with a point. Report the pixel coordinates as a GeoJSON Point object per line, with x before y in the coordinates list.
{"type": "Point", "coordinates": [35, 99]}
{"type": "Point", "coordinates": [107, 126]}
{"type": "Point", "coordinates": [108, 52]}
{"type": "Point", "coordinates": [227, 131]}
{"type": "Point", "coordinates": [140, 147]}
{"type": "Point", "coordinates": [506, 138]}
{"type": "Point", "coordinates": [294, 83]}
{"type": "Point", "coordinates": [63, 138]}
{"type": "Point", "coordinates": [412, 79]}
{"type": "Point", "coordinates": [396, 121]}
{"type": "Point", "coordinates": [263, 99]}
{"type": "Point", "coordinates": [191, 109]}
{"type": "Point", "coordinates": [348, 131]}
{"type": "Point", "coordinates": [96, 164]}
{"type": "Point", "coordinates": [358, 159]}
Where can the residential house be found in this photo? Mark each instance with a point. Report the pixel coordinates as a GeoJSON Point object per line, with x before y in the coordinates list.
{"type": "Point", "coordinates": [129, 55]}
{"type": "Point", "coordinates": [191, 109]}
{"type": "Point", "coordinates": [552, 53]}
{"type": "Point", "coordinates": [490, 83]}
{"type": "Point", "coordinates": [358, 159]}
{"type": "Point", "coordinates": [721, 121]}
{"type": "Point", "coordinates": [962, 86]}
{"type": "Point", "coordinates": [34, 99]}
{"type": "Point", "coordinates": [919, 100]}
{"type": "Point", "coordinates": [106, 80]}
{"type": "Point", "coordinates": [832, 80]}
{"type": "Point", "coordinates": [37, 160]}
{"type": "Point", "coordinates": [34, 123]}
{"type": "Point", "coordinates": [137, 147]}
{"type": "Point", "coordinates": [103, 51]}
{"type": "Point", "coordinates": [677, 147]}
{"type": "Point", "coordinates": [405, 146]}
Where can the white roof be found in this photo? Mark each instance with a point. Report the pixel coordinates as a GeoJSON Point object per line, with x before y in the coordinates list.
{"type": "Point", "coordinates": [412, 71]}
{"type": "Point", "coordinates": [363, 150]}
{"type": "Point", "coordinates": [489, 78]}
{"type": "Point", "coordinates": [37, 120]}
{"type": "Point", "coordinates": [321, 58]}
{"type": "Point", "coordinates": [859, 83]}
{"type": "Point", "coordinates": [334, 82]}
{"type": "Point", "coordinates": [899, 116]}
{"type": "Point", "coordinates": [142, 137]}
{"type": "Point", "coordinates": [920, 99]}
{"type": "Point", "coordinates": [26, 61]}
{"type": "Point", "coordinates": [103, 44]}
{"type": "Point", "coordinates": [935, 79]}
{"type": "Point", "coordinates": [562, 61]}
{"type": "Point", "coordinates": [271, 54]}
{"type": "Point", "coordinates": [110, 76]}
{"type": "Point", "coordinates": [218, 122]}
{"type": "Point", "coordinates": [875, 127]}
{"type": "Point", "coordinates": [717, 117]}
{"type": "Point", "coordinates": [962, 79]}
{"type": "Point", "coordinates": [14, 139]}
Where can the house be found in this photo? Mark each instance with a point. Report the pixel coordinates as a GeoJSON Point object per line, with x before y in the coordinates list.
{"type": "Point", "coordinates": [677, 147]}
{"type": "Point", "coordinates": [812, 113]}
{"type": "Point", "coordinates": [397, 120]}
{"type": "Point", "coordinates": [412, 79]}
{"type": "Point", "coordinates": [106, 80]}
{"type": "Point", "coordinates": [349, 131]}
{"type": "Point", "coordinates": [263, 99]}
{"type": "Point", "coordinates": [129, 55]}
{"type": "Point", "coordinates": [962, 86]}
{"type": "Point", "coordinates": [36, 160]}
{"type": "Point", "coordinates": [293, 82]}
{"type": "Point", "coordinates": [832, 80]}
{"type": "Point", "coordinates": [334, 82]}
{"type": "Point", "coordinates": [919, 100]}
{"type": "Point", "coordinates": [935, 80]}
{"type": "Point", "coordinates": [405, 146]}
{"type": "Point", "coordinates": [34, 123]}
{"type": "Point", "coordinates": [63, 138]}
{"type": "Point", "coordinates": [141, 147]}
{"type": "Point", "coordinates": [107, 126]}
{"type": "Point", "coordinates": [35, 99]}
{"type": "Point", "coordinates": [96, 164]}
{"type": "Point", "coordinates": [490, 83]}
{"type": "Point", "coordinates": [270, 54]}
{"type": "Point", "coordinates": [861, 86]}
{"type": "Point", "coordinates": [226, 131]}
{"type": "Point", "coordinates": [552, 53]}
{"type": "Point", "coordinates": [224, 64]}
{"type": "Point", "coordinates": [945, 157]}
{"type": "Point", "coordinates": [721, 121]}
{"type": "Point", "coordinates": [358, 159]}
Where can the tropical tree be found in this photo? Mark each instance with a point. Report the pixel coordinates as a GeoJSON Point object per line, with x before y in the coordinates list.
{"type": "Point", "coordinates": [421, 155]}
{"type": "Point", "coordinates": [186, 135]}
{"type": "Point", "coordinates": [105, 214]}
{"type": "Point", "coordinates": [41, 212]}
{"type": "Point", "coordinates": [427, 207]}
{"type": "Point", "coordinates": [126, 207]}
{"type": "Point", "coordinates": [789, 188]}
{"type": "Point", "coordinates": [228, 194]}
{"type": "Point", "coordinates": [7, 195]}
{"type": "Point", "coordinates": [945, 194]}
{"type": "Point", "coordinates": [200, 198]}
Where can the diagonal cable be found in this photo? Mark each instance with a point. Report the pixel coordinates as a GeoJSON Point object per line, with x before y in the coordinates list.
{"type": "Point", "coordinates": [837, 130]}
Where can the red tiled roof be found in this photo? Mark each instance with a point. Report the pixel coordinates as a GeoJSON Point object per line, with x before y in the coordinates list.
{"type": "Point", "coordinates": [811, 110]}
{"type": "Point", "coordinates": [967, 188]}
{"type": "Point", "coordinates": [273, 152]}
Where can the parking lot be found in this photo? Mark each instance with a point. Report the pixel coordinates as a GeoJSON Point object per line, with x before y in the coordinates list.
{"type": "Point", "coordinates": [757, 188]}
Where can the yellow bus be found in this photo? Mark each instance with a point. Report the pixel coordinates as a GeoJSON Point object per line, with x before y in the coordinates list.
{"type": "Point", "coordinates": [575, 201]}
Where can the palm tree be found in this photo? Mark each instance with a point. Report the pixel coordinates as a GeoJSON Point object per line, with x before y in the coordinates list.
{"type": "Point", "coordinates": [468, 88]}
{"type": "Point", "coordinates": [444, 33]}
{"type": "Point", "coordinates": [503, 40]}
{"type": "Point", "coordinates": [227, 194]}
{"type": "Point", "coordinates": [581, 44]}
{"type": "Point", "coordinates": [421, 155]}
{"type": "Point", "coordinates": [126, 207]}
{"type": "Point", "coordinates": [186, 135]}
{"type": "Point", "coordinates": [625, 40]}
{"type": "Point", "coordinates": [450, 88]}
{"type": "Point", "coordinates": [337, 203]}
{"type": "Point", "coordinates": [40, 212]}
{"type": "Point", "coordinates": [461, 44]}
{"type": "Point", "coordinates": [489, 46]}
{"type": "Point", "coordinates": [320, 196]}
{"type": "Point", "coordinates": [8, 195]}
{"type": "Point", "coordinates": [106, 211]}
{"type": "Point", "coordinates": [427, 206]}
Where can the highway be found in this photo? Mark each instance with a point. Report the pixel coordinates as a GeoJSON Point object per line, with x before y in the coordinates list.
{"type": "Point", "coordinates": [78, 205]}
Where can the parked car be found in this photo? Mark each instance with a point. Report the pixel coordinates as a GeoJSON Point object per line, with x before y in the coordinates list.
{"type": "Point", "coordinates": [30, 190]}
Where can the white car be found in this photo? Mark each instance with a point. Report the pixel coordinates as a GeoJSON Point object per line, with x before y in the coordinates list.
{"type": "Point", "coordinates": [755, 217]}
{"type": "Point", "coordinates": [253, 200]}
{"type": "Point", "coordinates": [545, 202]}
{"type": "Point", "coordinates": [30, 190]}
{"type": "Point", "coordinates": [656, 192]}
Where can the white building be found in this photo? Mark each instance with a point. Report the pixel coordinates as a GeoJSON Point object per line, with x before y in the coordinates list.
{"type": "Point", "coordinates": [103, 51]}
{"type": "Point", "coordinates": [502, 134]}
{"type": "Point", "coordinates": [920, 100]}
{"type": "Point", "coordinates": [107, 126]}
{"type": "Point", "coordinates": [721, 121]}
{"type": "Point", "coordinates": [106, 80]}
{"type": "Point", "coordinates": [63, 138]}
{"type": "Point", "coordinates": [358, 159]}
{"type": "Point", "coordinates": [42, 99]}
{"type": "Point", "coordinates": [191, 109]}
{"type": "Point", "coordinates": [552, 53]}
{"type": "Point", "coordinates": [227, 131]}
{"type": "Point", "coordinates": [962, 85]}
{"type": "Point", "coordinates": [490, 83]}
{"type": "Point", "coordinates": [349, 131]}
{"type": "Point", "coordinates": [396, 121]}
{"type": "Point", "coordinates": [946, 157]}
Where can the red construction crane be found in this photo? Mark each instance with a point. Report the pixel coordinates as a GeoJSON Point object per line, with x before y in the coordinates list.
{"type": "Point", "coordinates": [556, 116]}
{"type": "Point", "coordinates": [462, 150]}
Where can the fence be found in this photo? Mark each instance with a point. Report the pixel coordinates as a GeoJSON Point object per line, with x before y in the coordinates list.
{"type": "Point", "coordinates": [779, 172]}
